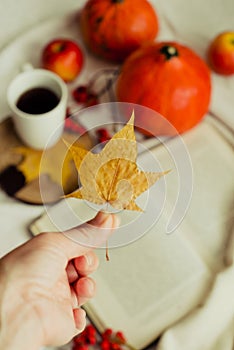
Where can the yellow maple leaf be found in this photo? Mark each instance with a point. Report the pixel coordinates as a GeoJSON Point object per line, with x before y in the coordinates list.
{"type": "Point", "coordinates": [112, 176]}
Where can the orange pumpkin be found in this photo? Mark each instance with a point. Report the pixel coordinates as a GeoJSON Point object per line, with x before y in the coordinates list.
{"type": "Point", "coordinates": [113, 29]}
{"type": "Point", "coordinates": [169, 78]}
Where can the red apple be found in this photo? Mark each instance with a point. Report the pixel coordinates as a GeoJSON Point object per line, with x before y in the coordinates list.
{"type": "Point", "coordinates": [221, 53]}
{"type": "Point", "coordinates": [63, 57]}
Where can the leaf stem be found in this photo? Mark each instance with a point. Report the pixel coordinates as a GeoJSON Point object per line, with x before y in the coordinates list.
{"type": "Point", "coordinates": [107, 252]}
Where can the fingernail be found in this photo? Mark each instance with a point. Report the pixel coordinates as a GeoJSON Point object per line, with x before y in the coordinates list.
{"type": "Point", "coordinates": [89, 259]}
{"type": "Point", "coordinates": [90, 286]}
{"type": "Point", "coordinates": [103, 219]}
{"type": "Point", "coordinates": [80, 320]}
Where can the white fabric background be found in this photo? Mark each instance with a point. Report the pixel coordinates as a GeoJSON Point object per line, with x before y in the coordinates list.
{"type": "Point", "coordinates": [18, 16]}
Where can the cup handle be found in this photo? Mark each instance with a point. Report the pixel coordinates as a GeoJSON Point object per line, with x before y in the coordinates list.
{"type": "Point", "coordinates": [27, 67]}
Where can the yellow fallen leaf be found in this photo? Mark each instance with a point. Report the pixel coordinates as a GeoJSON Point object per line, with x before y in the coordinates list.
{"type": "Point", "coordinates": [112, 176]}
{"type": "Point", "coordinates": [35, 163]}
{"type": "Point", "coordinates": [55, 162]}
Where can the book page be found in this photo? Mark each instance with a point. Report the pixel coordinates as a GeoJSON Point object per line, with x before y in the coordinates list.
{"type": "Point", "coordinates": [208, 221]}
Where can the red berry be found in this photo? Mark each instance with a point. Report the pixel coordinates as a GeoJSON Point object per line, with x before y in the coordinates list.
{"type": "Point", "coordinates": [81, 94]}
{"type": "Point", "coordinates": [120, 336]}
{"type": "Point", "coordinates": [103, 132]}
{"type": "Point", "coordinates": [115, 346]}
{"type": "Point", "coordinates": [79, 339]}
{"type": "Point", "coordinates": [90, 330]}
{"type": "Point", "coordinates": [92, 100]}
{"type": "Point", "coordinates": [92, 339]}
{"type": "Point", "coordinates": [102, 140]}
{"type": "Point", "coordinates": [105, 345]}
{"type": "Point", "coordinates": [107, 333]}
{"type": "Point", "coordinates": [103, 135]}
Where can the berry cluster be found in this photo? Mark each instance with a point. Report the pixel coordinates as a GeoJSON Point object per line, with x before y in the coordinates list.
{"type": "Point", "coordinates": [109, 340]}
{"type": "Point", "coordinates": [101, 83]}
{"type": "Point", "coordinates": [83, 95]}
{"type": "Point", "coordinates": [85, 339]}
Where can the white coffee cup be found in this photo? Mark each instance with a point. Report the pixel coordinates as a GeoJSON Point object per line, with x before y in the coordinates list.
{"type": "Point", "coordinates": [38, 130]}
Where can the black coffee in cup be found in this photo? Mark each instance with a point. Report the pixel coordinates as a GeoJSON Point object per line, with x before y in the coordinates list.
{"type": "Point", "coordinates": [37, 100]}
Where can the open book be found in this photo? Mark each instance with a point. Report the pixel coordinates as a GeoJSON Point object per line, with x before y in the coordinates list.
{"type": "Point", "coordinates": [158, 278]}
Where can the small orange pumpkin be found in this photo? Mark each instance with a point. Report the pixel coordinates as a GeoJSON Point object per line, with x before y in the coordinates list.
{"type": "Point", "coordinates": [169, 78]}
{"type": "Point", "coordinates": [112, 29]}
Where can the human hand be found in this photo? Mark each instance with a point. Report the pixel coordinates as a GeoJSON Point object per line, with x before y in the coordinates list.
{"type": "Point", "coordinates": [43, 282]}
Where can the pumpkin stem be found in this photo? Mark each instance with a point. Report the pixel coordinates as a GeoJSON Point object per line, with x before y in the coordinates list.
{"type": "Point", "coordinates": [169, 51]}
{"type": "Point", "coordinates": [117, 1]}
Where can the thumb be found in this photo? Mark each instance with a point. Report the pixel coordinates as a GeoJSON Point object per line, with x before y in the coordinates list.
{"type": "Point", "coordinates": [92, 234]}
